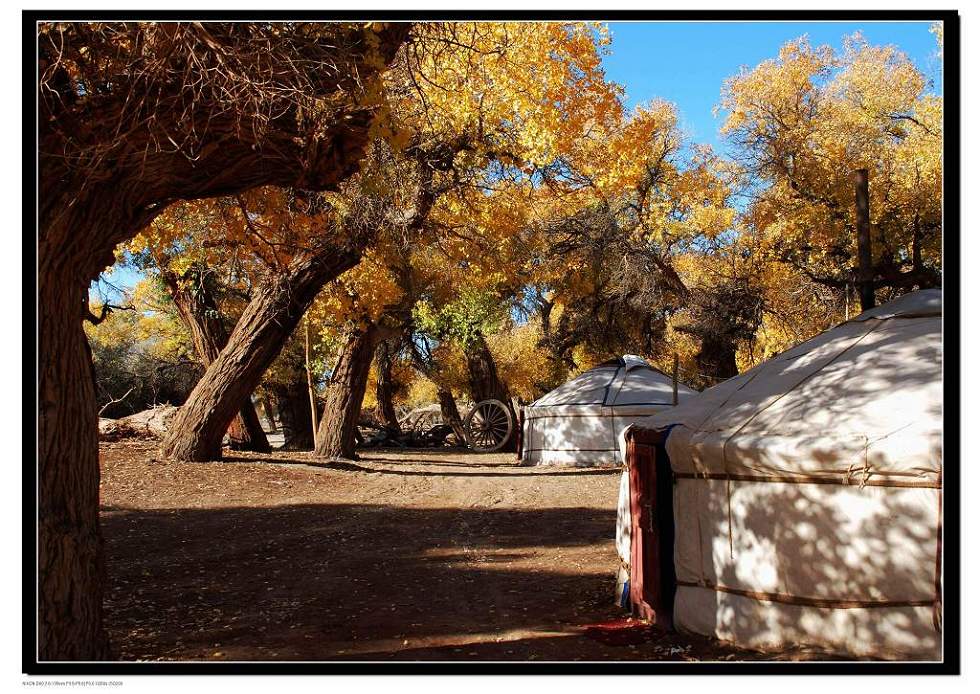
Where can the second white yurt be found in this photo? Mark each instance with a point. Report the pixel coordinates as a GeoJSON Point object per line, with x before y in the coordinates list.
{"type": "Point", "coordinates": [579, 423]}
{"type": "Point", "coordinates": [806, 495]}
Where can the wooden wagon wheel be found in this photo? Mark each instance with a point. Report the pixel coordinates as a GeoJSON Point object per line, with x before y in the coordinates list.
{"type": "Point", "coordinates": [488, 426]}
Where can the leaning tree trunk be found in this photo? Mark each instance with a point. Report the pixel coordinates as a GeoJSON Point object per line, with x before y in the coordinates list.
{"type": "Point", "coordinates": [345, 393]}
{"type": "Point", "coordinates": [450, 414]}
{"type": "Point", "coordinates": [293, 402]}
{"type": "Point", "coordinates": [268, 320]}
{"type": "Point", "coordinates": [386, 389]}
{"type": "Point", "coordinates": [485, 383]}
{"type": "Point", "coordinates": [199, 312]}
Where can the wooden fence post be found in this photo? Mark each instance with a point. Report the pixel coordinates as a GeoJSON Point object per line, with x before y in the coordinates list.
{"type": "Point", "coordinates": [865, 279]}
{"type": "Point", "coordinates": [676, 366]}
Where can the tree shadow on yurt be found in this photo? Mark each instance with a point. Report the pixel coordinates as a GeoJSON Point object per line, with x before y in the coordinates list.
{"type": "Point", "coordinates": [800, 546]}
{"type": "Point", "coordinates": [813, 532]}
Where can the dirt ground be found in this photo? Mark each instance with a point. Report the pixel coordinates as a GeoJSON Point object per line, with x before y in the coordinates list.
{"type": "Point", "coordinates": [407, 555]}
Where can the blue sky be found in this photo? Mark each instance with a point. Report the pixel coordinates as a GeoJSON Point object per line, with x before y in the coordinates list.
{"type": "Point", "coordinates": [113, 283]}
{"type": "Point", "coordinates": [687, 62]}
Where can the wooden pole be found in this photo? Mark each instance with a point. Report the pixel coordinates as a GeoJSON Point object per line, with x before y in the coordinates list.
{"type": "Point", "coordinates": [676, 366]}
{"type": "Point", "coordinates": [865, 279]}
{"type": "Point", "coordinates": [309, 375]}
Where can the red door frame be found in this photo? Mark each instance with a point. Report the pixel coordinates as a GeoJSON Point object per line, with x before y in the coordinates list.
{"type": "Point", "coordinates": [651, 579]}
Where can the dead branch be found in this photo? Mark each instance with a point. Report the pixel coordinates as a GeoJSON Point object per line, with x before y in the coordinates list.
{"type": "Point", "coordinates": [107, 309]}
{"type": "Point", "coordinates": [116, 400]}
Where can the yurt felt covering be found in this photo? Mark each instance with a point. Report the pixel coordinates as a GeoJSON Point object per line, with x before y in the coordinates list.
{"type": "Point", "coordinates": [579, 423]}
{"type": "Point", "coordinates": [808, 492]}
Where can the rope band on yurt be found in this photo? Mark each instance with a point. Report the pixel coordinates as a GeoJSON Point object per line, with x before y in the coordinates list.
{"type": "Point", "coordinates": [571, 450]}
{"type": "Point", "coordinates": [787, 599]}
{"type": "Point", "coordinates": [864, 470]}
{"type": "Point", "coordinates": [564, 415]}
{"type": "Point", "coordinates": [806, 479]}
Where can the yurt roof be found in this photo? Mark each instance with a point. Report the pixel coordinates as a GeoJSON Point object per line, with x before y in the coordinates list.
{"type": "Point", "coordinates": [626, 380]}
{"type": "Point", "coordinates": [862, 400]}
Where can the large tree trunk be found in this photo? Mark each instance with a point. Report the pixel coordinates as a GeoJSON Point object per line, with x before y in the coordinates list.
{"type": "Point", "coordinates": [268, 320]}
{"type": "Point", "coordinates": [198, 310]}
{"type": "Point", "coordinates": [71, 565]}
{"type": "Point", "coordinates": [385, 391]}
{"type": "Point", "coordinates": [716, 359]}
{"type": "Point", "coordinates": [293, 402]}
{"type": "Point", "coordinates": [345, 393]}
{"type": "Point", "coordinates": [485, 383]}
{"type": "Point", "coordinates": [84, 213]}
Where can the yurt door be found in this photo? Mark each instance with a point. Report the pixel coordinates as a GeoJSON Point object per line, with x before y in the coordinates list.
{"type": "Point", "coordinates": [652, 576]}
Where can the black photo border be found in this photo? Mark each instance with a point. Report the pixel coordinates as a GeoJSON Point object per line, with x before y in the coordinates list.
{"type": "Point", "coordinates": [951, 360]}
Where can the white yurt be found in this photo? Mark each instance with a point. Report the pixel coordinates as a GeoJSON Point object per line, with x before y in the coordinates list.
{"type": "Point", "coordinates": [807, 498]}
{"type": "Point", "coordinates": [579, 423]}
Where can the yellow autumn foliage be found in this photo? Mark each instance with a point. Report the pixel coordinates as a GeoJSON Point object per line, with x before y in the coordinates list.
{"type": "Point", "coordinates": [806, 120]}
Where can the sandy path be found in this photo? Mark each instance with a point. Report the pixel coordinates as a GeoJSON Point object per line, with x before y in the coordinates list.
{"type": "Point", "coordinates": [402, 555]}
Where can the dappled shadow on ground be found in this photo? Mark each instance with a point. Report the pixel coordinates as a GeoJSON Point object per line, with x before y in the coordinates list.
{"type": "Point", "coordinates": [329, 581]}
{"type": "Point", "coordinates": [581, 644]}
{"type": "Point", "coordinates": [254, 566]}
